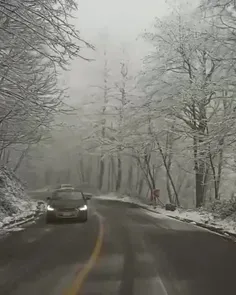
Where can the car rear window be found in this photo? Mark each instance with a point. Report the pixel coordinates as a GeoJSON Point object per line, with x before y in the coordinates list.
{"type": "Point", "coordinates": [67, 195]}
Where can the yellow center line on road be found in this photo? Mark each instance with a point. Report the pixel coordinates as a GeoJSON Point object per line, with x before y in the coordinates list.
{"type": "Point", "coordinates": [80, 279]}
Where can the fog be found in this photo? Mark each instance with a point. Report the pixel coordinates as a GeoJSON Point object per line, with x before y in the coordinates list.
{"type": "Point", "coordinates": [114, 25]}
{"type": "Point", "coordinates": [126, 128]}
{"type": "Point", "coordinates": [122, 101]}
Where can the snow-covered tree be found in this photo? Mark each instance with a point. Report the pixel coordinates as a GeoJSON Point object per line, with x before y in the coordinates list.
{"type": "Point", "coordinates": [37, 41]}
{"type": "Point", "coordinates": [187, 77]}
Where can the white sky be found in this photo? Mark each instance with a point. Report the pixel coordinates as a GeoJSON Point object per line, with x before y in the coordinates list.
{"type": "Point", "coordinates": [124, 18]}
{"type": "Point", "coordinates": [123, 21]}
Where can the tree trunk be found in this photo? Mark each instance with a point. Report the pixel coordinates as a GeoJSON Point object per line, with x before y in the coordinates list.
{"type": "Point", "coordinates": [201, 171]}
{"type": "Point", "coordinates": [169, 175]}
{"type": "Point", "coordinates": [145, 172]}
{"type": "Point", "coordinates": [119, 174]}
{"type": "Point", "coordinates": [214, 175]}
{"type": "Point", "coordinates": [168, 188]}
{"type": "Point", "coordinates": [82, 169]}
{"type": "Point", "coordinates": [219, 173]}
{"type": "Point", "coordinates": [101, 174]}
{"type": "Point", "coordinates": [113, 173]}
{"type": "Point", "coordinates": [130, 178]}
{"type": "Point", "coordinates": [205, 181]}
{"type": "Point", "coordinates": [140, 188]}
{"type": "Point", "coordinates": [137, 178]}
{"type": "Point", "coordinates": [199, 176]}
{"type": "Point", "coordinates": [149, 171]}
{"type": "Point", "coordinates": [109, 177]}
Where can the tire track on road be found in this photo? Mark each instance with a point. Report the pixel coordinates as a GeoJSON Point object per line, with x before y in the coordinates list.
{"type": "Point", "coordinates": [127, 279]}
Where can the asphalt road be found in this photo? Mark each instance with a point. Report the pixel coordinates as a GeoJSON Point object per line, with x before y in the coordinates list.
{"type": "Point", "coordinates": [121, 250]}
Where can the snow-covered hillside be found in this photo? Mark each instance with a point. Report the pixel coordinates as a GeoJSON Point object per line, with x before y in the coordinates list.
{"type": "Point", "coordinates": [14, 202]}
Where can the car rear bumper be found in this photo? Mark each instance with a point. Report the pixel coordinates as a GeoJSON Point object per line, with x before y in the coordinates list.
{"type": "Point", "coordinates": [56, 216]}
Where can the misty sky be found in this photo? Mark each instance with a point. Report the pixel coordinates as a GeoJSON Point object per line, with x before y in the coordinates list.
{"type": "Point", "coordinates": [117, 24]}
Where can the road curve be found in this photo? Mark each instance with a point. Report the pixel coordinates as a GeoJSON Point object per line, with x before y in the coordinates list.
{"type": "Point", "coordinates": [121, 250]}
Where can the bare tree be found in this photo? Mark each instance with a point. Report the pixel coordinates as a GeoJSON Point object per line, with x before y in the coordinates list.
{"type": "Point", "coordinates": [36, 41]}
{"type": "Point", "coordinates": [188, 79]}
{"type": "Point", "coordinates": [123, 101]}
{"type": "Point", "coordinates": [103, 116]}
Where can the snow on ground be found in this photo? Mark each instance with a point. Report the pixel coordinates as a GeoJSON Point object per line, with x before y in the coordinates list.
{"type": "Point", "coordinates": [196, 216]}
{"type": "Point", "coordinates": [122, 198]}
{"type": "Point", "coordinates": [15, 205]}
{"type": "Point", "coordinates": [202, 216]}
{"type": "Point", "coordinates": [42, 190]}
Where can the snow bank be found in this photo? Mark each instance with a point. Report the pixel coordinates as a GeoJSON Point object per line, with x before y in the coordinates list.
{"type": "Point", "coordinates": [14, 202]}
{"type": "Point", "coordinates": [115, 197]}
{"type": "Point", "coordinates": [203, 217]}
{"type": "Point", "coordinates": [200, 217]}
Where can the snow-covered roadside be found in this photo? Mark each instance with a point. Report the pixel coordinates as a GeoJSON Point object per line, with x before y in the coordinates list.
{"type": "Point", "coordinates": [201, 218]}
{"type": "Point", "coordinates": [16, 207]}
{"type": "Point", "coordinates": [18, 219]}
{"type": "Point", "coordinates": [121, 198]}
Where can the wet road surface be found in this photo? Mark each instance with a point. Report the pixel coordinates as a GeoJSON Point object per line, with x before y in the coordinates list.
{"type": "Point", "coordinates": [121, 250]}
